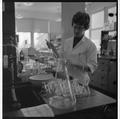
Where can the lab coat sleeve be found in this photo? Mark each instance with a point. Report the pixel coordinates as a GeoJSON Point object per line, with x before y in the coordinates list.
{"type": "Point", "coordinates": [62, 50]}
{"type": "Point", "coordinates": [92, 57]}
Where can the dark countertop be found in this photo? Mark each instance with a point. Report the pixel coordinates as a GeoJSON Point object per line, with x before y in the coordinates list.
{"type": "Point", "coordinates": [96, 99]}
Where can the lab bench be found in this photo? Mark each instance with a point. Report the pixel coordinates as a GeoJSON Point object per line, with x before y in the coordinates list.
{"type": "Point", "coordinates": [92, 106]}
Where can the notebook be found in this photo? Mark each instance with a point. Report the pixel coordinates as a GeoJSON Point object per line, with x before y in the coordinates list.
{"type": "Point", "coordinates": [38, 111]}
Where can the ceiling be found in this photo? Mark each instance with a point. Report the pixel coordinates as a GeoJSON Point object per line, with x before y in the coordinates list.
{"type": "Point", "coordinates": [38, 10]}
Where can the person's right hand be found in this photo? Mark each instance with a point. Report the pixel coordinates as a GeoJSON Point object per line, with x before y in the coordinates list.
{"type": "Point", "coordinates": [50, 45]}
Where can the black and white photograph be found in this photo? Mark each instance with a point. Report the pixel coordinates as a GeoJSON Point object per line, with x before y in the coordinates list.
{"type": "Point", "coordinates": [60, 59]}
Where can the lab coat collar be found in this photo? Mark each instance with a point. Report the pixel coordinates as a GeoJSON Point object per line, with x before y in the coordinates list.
{"type": "Point", "coordinates": [79, 43]}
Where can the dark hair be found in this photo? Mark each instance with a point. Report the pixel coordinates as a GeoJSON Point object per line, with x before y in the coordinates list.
{"type": "Point", "coordinates": [81, 18]}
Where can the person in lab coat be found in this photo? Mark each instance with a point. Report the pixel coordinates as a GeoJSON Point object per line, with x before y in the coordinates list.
{"type": "Point", "coordinates": [79, 51]}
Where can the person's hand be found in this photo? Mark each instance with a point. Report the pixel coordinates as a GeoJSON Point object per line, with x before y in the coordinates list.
{"type": "Point", "coordinates": [68, 63]}
{"type": "Point", "coordinates": [84, 82]}
{"type": "Point", "coordinates": [50, 45]}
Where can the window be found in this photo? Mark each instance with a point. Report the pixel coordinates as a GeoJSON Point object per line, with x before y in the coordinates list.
{"type": "Point", "coordinates": [40, 41]}
{"type": "Point", "coordinates": [97, 20]}
{"type": "Point", "coordinates": [87, 33]}
{"type": "Point", "coordinates": [24, 40]}
{"type": "Point", "coordinates": [97, 24]}
{"type": "Point", "coordinates": [96, 38]}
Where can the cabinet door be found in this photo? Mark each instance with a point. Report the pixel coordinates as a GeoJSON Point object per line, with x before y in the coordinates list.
{"type": "Point", "coordinates": [103, 64]}
{"type": "Point", "coordinates": [99, 77]}
{"type": "Point", "coordinates": [94, 79]}
{"type": "Point", "coordinates": [112, 77]}
{"type": "Point", "coordinates": [103, 80]}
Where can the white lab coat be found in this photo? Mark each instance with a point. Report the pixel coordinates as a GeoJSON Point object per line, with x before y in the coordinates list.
{"type": "Point", "coordinates": [84, 53]}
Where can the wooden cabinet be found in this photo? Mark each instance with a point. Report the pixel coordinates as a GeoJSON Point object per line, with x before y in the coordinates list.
{"type": "Point", "coordinates": [98, 78]}
{"type": "Point", "coordinates": [105, 77]}
{"type": "Point", "coordinates": [112, 77]}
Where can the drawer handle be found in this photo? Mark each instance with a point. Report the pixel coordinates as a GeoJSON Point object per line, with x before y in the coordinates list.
{"type": "Point", "coordinates": [102, 77]}
{"type": "Point", "coordinates": [102, 84]}
{"type": "Point", "coordinates": [115, 82]}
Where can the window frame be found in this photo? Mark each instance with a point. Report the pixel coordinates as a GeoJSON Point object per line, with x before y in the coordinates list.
{"type": "Point", "coordinates": [29, 45]}
{"type": "Point", "coordinates": [105, 9]}
{"type": "Point", "coordinates": [96, 13]}
{"type": "Point", "coordinates": [34, 39]}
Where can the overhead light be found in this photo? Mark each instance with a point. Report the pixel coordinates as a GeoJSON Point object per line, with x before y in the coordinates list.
{"type": "Point", "coordinates": [28, 3]}
{"type": "Point", "coordinates": [59, 9]}
{"type": "Point", "coordinates": [88, 3]}
{"type": "Point", "coordinates": [19, 16]}
{"type": "Point", "coordinates": [3, 6]}
{"type": "Point", "coordinates": [58, 20]}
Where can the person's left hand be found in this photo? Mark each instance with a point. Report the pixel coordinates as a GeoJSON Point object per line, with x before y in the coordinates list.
{"type": "Point", "coordinates": [84, 82]}
{"type": "Point", "coordinates": [68, 63]}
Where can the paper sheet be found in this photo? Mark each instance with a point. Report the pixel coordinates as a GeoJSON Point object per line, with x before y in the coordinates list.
{"type": "Point", "coordinates": [38, 111]}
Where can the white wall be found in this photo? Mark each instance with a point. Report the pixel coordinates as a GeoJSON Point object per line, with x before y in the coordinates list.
{"type": "Point", "coordinates": [40, 26]}
{"type": "Point", "coordinates": [55, 27]}
{"type": "Point", "coordinates": [97, 6]}
{"type": "Point", "coordinates": [37, 25]}
{"type": "Point", "coordinates": [24, 25]}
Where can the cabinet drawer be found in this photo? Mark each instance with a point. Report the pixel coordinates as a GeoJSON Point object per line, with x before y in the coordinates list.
{"type": "Point", "coordinates": [102, 61]}
{"type": "Point", "coordinates": [103, 86]}
{"type": "Point", "coordinates": [95, 83]}
{"type": "Point", "coordinates": [102, 70]}
{"type": "Point", "coordinates": [92, 82]}
{"type": "Point", "coordinates": [98, 74]}
{"type": "Point", "coordinates": [112, 86]}
{"type": "Point", "coordinates": [112, 78]}
{"type": "Point", "coordinates": [99, 79]}
{"type": "Point", "coordinates": [101, 66]}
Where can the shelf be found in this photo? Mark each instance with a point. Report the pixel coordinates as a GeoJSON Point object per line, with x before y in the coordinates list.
{"type": "Point", "coordinates": [112, 40]}
{"type": "Point", "coordinates": [110, 30]}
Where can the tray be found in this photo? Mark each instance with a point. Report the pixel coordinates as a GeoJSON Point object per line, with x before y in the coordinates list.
{"type": "Point", "coordinates": [37, 79]}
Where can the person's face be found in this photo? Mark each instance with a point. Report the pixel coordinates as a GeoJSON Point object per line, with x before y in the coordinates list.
{"type": "Point", "coordinates": [78, 30]}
